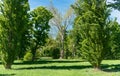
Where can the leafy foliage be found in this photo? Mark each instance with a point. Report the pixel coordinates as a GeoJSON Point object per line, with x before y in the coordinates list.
{"type": "Point", "coordinates": [115, 41]}
{"type": "Point", "coordinates": [51, 49]}
{"type": "Point", "coordinates": [94, 29]}
{"type": "Point", "coordinates": [115, 4]}
{"type": "Point", "coordinates": [40, 26]}
{"type": "Point", "coordinates": [13, 23]}
{"type": "Point", "coordinates": [28, 56]}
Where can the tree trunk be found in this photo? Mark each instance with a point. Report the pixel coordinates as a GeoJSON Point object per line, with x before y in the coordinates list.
{"type": "Point", "coordinates": [33, 53]}
{"type": "Point", "coordinates": [67, 54]}
{"type": "Point", "coordinates": [73, 54]}
{"type": "Point", "coordinates": [62, 54]}
{"type": "Point", "coordinates": [8, 59]}
{"type": "Point", "coordinates": [62, 50]}
{"type": "Point", "coordinates": [97, 66]}
{"type": "Point", "coordinates": [62, 47]}
{"type": "Point", "coordinates": [7, 66]}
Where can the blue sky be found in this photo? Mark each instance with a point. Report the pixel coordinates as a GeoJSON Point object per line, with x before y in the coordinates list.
{"type": "Point", "coordinates": [63, 5]}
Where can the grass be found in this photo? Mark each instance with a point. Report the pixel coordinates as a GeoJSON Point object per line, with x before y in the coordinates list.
{"type": "Point", "coordinates": [61, 68]}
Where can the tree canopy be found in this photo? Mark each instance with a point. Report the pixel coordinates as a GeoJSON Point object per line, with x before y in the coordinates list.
{"type": "Point", "coordinates": [40, 27]}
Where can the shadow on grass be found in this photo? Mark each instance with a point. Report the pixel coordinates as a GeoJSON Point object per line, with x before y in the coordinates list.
{"type": "Point", "coordinates": [7, 74]}
{"type": "Point", "coordinates": [105, 67]}
{"type": "Point", "coordinates": [111, 68]}
{"type": "Point", "coordinates": [44, 62]}
{"type": "Point", "coordinates": [56, 67]}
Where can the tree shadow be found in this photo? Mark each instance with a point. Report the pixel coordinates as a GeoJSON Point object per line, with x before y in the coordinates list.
{"type": "Point", "coordinates": [7, 74]}
{"type": "Point", "coordinates": [104, 67]}
{"type": "Point", "coordinates": [44, 62]}
{"type": "Point", "coordinates": [111, 68]}
{"type": "Point", "coordinates": [57, 67]}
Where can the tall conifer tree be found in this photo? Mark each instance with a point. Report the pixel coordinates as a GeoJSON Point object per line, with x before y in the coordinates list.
{"type": "Point", "coordinates": [92, 20]}
{"type": "Point", "coordinates": [13, 23]}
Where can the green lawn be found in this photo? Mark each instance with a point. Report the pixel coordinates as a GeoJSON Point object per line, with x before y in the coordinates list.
{"type": "Point", "coordinates": [61, 68]}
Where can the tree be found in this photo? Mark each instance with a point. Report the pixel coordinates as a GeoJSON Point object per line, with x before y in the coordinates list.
{"type": "Point", "coordinates": [73, 39]}
{"type": "Point", "coordinates": [40, 26]}
{"type": "Point", "coordinates": [94, 29]}
{"type": "Point", "coordinates": [115, 41]}
{"type": "Point", "coordinates": [115, 4]}
{"type": "Point", "coordinates": [61, 22]}
{"type": "Point", "coordinates": [114, 54]}
{"type": "Point", "coordinates": [13, 23]}
{"type": "Point", "coordinates": [51, 48]}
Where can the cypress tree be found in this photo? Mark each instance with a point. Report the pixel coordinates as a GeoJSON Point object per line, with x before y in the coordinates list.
{"type": "Point", "coordinates": [93, 22]}
{"type": "Point", "coordinates": [13, 23]}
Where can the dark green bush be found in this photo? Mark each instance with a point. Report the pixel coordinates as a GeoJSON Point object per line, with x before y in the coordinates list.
{"type": "Point", "coordinates": [56, 53]}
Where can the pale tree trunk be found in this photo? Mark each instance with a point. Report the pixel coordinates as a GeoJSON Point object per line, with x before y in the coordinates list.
{"type": "Point", "coordinates": [73, 51]}
{"type": "Point", "coordinates": [62, 47]}
{"type": "Point", "coordinates": [61, 54]}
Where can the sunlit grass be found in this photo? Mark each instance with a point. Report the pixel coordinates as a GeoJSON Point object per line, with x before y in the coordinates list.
{"type": "Point", "coordinates": [61, 68]}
